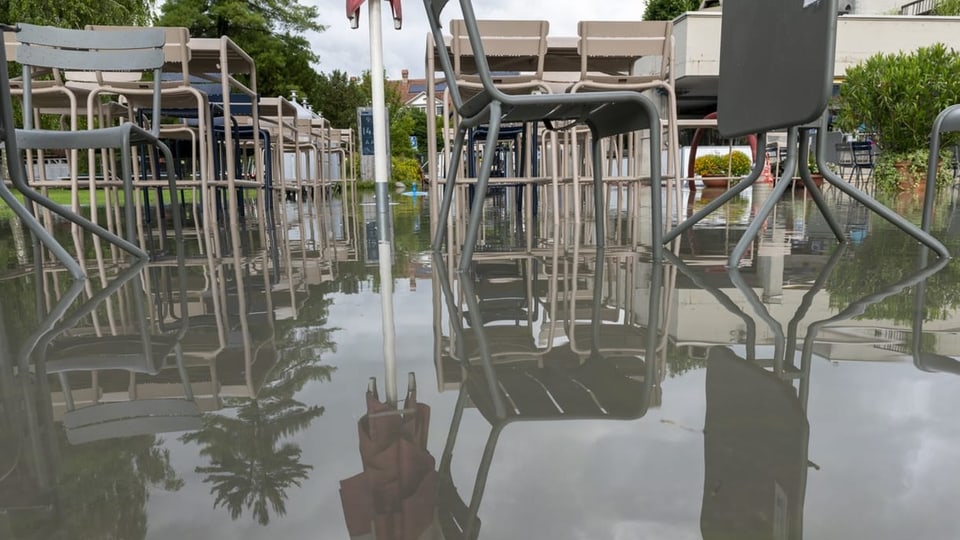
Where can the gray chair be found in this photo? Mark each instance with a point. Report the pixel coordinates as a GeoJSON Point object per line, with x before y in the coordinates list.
{"type": "Point", "coordinates": [948, 121]}
{"type": "Point", "coordinates": [18, 176]}
{"type": "Point", "coordinates": [101, 53]}
{"type": "Point", "coordinates": [605, 113]}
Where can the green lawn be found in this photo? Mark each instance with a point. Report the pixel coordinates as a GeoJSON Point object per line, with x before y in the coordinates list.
{"type": "Point", "coordinates": [62, 197]}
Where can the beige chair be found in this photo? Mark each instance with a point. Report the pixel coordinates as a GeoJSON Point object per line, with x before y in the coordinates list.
{"type": "Point", "coordinates": [524, 43]}
{"type": "Point", "coordinates": [176, 92]}
{"type": "Point", "coordinates": [520, 44]}
{"type": "Point", "coordinates": [632, 55]}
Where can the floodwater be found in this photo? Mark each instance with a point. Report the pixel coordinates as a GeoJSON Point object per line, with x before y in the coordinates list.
{"type": "Point", "coordinates": [243, 389]}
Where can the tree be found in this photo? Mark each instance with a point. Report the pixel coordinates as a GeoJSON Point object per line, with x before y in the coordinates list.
{"type": "Point", "coordinates": [271, 32]}
{"type": "Point", "coordinates": [338, 97]}
{"type": "Point", "coordinates": [946, 8]}
{"type": "Point", "coordinates": [77, 14]}
{"type": "Point", "coordinates": [251, 463]}
{"type": "Point", "coordinates": [667, 10]}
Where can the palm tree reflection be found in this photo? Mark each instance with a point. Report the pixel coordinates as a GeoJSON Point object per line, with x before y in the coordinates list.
{"type": "Point", "coordinates": [252, 464]}
{"type": "Point", "coordinates": [252, 461]}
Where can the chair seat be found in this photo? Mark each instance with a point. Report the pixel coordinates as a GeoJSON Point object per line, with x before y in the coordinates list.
{"type": "Point", "coordinates": [131, 418]}
{"type": "Point", "coordinates": [596, 389]}
{"type": "Point", "coordinates": [110, 352]}
{"type": "Point", "coordinates": [613, 82]}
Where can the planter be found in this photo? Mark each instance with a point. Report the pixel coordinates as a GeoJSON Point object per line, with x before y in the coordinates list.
{"type": "Point", "coordinates": [911, 180]}
{"type": "Point", "coordinates": [710, 182]}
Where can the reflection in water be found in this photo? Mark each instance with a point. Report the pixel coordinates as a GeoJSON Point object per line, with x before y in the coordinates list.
{"type": "Point", "coordinates": [529, 336]}
{"type": "Point", "coordinates": [94, 490]}
{"type": "Point", "coordinates": [607, 369]}
{"type": "Point", "coordinates": [395, 496]}
{"type": "Point", "coordinates": [251, 463]}
{"type": "Point", "coordinates": [90, 387]}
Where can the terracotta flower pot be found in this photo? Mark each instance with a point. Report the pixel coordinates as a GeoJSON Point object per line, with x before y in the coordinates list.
{"type": "Point", "coordinates": [715, 181]}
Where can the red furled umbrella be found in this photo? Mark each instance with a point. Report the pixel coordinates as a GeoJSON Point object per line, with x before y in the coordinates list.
{"type": "Point", "coordinates": [353, 13]}
{"type": "Point", "coordinates": [395, 496]}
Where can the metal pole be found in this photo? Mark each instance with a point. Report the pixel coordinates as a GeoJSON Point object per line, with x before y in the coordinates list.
{"type": "Point", "coordinates": [380, 169]}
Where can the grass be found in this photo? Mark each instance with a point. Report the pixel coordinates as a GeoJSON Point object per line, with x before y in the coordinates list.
{"type": "Point", "coordinates": [62, 197]}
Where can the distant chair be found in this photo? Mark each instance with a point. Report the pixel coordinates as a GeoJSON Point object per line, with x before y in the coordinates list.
{"type": "Point", "coordinates": [862, 160]}
{"type": "Point", "coordinates": [628, 42]}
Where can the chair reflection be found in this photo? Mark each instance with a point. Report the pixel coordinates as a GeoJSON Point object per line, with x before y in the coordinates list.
{"type": "Point", "coordinates": [556, 383]}
{"type": "Point", "coordinates": [140, 342]}
{"type": "Point", "coordinates": [756, 432]}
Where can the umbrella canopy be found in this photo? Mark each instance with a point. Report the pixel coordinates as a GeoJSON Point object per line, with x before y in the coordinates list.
{"type": "Point", "coordinates": [353, 13]}
{"type": "Point", "coordinates": [395, 496]}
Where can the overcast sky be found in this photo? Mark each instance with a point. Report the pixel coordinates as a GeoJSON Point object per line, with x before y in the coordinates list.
{"type": "Point", "coordinates": [340, 47]}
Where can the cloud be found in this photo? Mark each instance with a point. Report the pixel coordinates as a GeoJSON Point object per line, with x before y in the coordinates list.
{"type": "Point", "coordinates": [342, 48]}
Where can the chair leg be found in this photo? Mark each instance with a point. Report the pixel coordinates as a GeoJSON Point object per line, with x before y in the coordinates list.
{"type": "Point", "coordinates": [476, 212]}
{"type": "Point", "coordinates": [126, 170]}
{"type": "Point", "coordinates": [448, 189]}
{"type": "Point", "coordinates": [599, 202]}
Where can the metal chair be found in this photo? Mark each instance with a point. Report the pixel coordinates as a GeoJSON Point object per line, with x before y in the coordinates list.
{"type": "Point", "coordinates": [605, 113]}
{"type": "Point", "coordinates": [948, 121]}
{"type": "Point", "coordinates": [862, 154]}
{"type": "Point", "coordinates": [135, 50]}
{"type": "Point", "coordinates": [632, 55]}
{"type": "Point", "coordinates": [18, 177]}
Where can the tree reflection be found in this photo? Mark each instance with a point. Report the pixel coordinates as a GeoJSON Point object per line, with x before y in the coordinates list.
{"type": "Point", "coordinates": [104, 486]}
{"type": "Point", "coordinates": [252, 462]}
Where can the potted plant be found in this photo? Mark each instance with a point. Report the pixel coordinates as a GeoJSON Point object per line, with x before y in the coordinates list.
{"type": "Point", "coordinates": [896, 97]}
{"type": "Point", "coordinates": [720, 170]}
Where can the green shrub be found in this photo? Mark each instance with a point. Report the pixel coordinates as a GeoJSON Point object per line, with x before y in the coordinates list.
{"type": "Point", "coordinates": [732, 164]}
{"type": "Point", "coordinates": [897, 96]}
{"type": "Point", "coordinates": [889, 179]}
{"type": "Point", "coordinates": [405, 169]}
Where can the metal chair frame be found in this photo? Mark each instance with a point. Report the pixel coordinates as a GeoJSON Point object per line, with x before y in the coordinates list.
{"type": "Point", "coordinates": [605, 113]}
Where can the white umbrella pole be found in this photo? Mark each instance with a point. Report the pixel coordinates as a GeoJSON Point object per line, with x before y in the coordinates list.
{"type": "Point", "coordinates": [380, 169]}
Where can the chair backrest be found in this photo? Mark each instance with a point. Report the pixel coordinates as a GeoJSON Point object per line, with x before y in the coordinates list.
{"type": "Point", "coordinates": [434, 8]}
{"type": "Point", "coordinates": [862, 152]}
{"type": "Point", "coordinates": [176, 48]}
{"type": "Point", "coordinates": [630, 39]}
{"type": "Point", "coordinates": [59, 49]}
{"type": "Point", "coordinates": [525, 41]}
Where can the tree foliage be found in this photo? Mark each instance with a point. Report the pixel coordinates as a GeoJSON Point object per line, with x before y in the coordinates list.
{"type": "Point", "coordinates": [338, 97]}
{"type": "Point", "coordinates": [947, 8]}
{"type": "Point", "coordinates": [667, 10]}
{"type": "Point", "coordinates": [271, 32]}
{"type": "Point", "coordinates": [897, 96]}
{"type": "Point", "coordinates": [78, 13]}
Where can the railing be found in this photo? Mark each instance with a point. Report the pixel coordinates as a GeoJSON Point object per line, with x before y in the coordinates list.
{"type": "Point", "coordinates": [918, 7]}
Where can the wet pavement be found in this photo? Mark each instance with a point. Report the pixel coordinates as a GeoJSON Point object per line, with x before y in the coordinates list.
{"type": "Point", "coordinates": [227, 393]}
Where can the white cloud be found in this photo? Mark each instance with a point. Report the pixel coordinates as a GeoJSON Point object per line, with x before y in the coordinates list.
{"type": "Point", "coordinates": [342, 48]}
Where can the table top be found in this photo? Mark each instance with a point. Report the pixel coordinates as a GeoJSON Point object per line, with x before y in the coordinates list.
{"type": "Point", "coordinates": [205, 54]}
